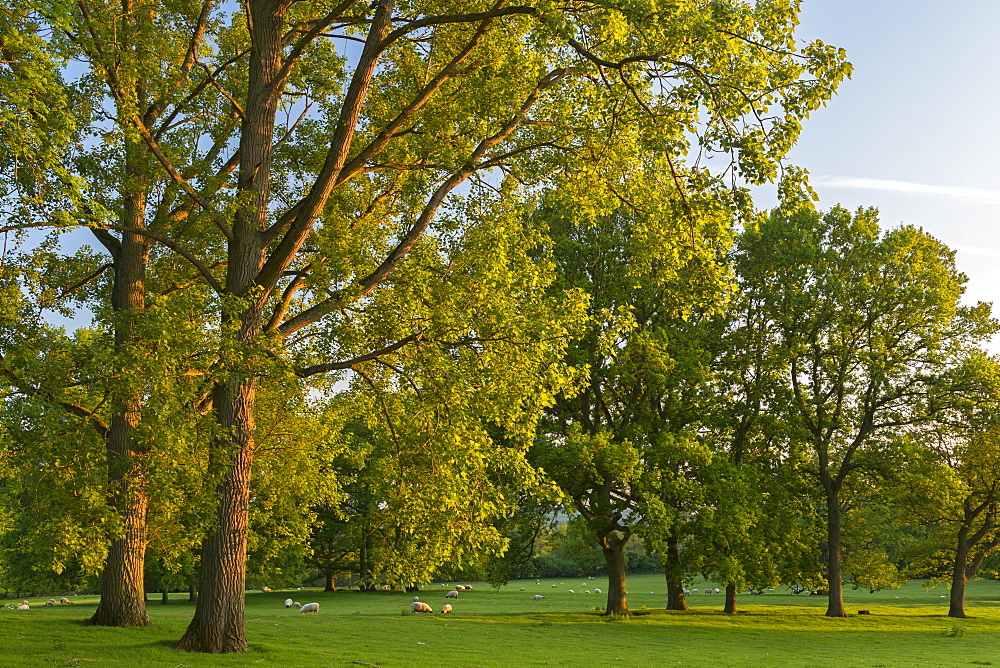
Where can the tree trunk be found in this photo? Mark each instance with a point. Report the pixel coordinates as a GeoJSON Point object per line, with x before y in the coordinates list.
{"type": "Point", "coordinates": [329, 583]}
{"type": "Point", "coordinates": [123, 600]}
{"type": "Point", "coordinates": [164, 597]}
{"type": "Point", "coordinates": [675, 577]}
{"type": "Point", "coordinates": [218, 624]}
{"type": "Point", "coordinates": [193, 590]}
{"type": "Point", "coordinates": [613, 548]}
{"type": "Point", "coordinates": [956, 607]}
{"type": "Point", "coordinates": [730, 608]}
{"type": "Point", "coordinates": [835, 606]}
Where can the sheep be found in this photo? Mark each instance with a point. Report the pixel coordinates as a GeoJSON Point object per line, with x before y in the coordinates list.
{"type": "Point", "coordinates": [296, 604]}
{"type": "Point", "coordinates": [288, 602]}
{"type": "Point", "coordinates": [265, 589]}
{"type": "Point", "coordinates": [416, 598]}
{"type": "Point", "coordinates": [586, 591]}
{"type": "Point", "coordinates": [538, 597]}
{"type": "Point", "coordinates": [571, 591]}
{"type": "Point", "coordinates": [446, 609]}
{"type": "Point", "coordinates": [538, 584]}
{"type": "Point", "coordinates": [864, 612]}
{"type": "Point", "coordinates": [460, 587]}
{"type": "Point", "coordinates": [51, 601]}
{"type": "Point", "coordinates": [717, 590]}
{"type": "Point", "coordinates": [597, 591]}
{"type": "Point", "coordinates": [695, 591]}
{"type": "Point", "coordinates": [468, 587]}
{"type": "Point", "coordinates": [417, 606]}
{"type": "Point", "coordinates": [23, 606]}
{"type": "Point", "coordinates": [553, 586]}
{"type": "Point", "coordinates": [521, 589]}
{"type": "Point", "coordinates": [309, 607]}
{"type": "Point", "coordinates": [65, 601]}
{"type": "Point", "coordinates": [451, 594]}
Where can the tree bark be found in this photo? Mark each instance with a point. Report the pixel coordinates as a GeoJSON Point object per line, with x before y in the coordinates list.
{"type": "Point", "coordinates": [959, 578]}
{"type": "Point", "coordinates": [123, 601]}
{"type": "Point", "coordinates": [164, 597]}
{"type": "Point", "coordinates": [218, 623]}
{"type": "Point", "coordinates": [730, 608]}
{"type": "Point", "coordinates": [675, 577]}
{"type": "Point", "coordinates": [835, 606]}
{"type": "Point", "coordinates": [613, 548]}
{"type": "Point", "coordinates": [329, 584]}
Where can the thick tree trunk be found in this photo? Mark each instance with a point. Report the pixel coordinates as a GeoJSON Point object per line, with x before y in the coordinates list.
{"type": "Point", "coordinates": [329, 583]}
{"type": "Point", "coordinates": [164, 597]}
{"type": "Point", "coordinates": [730, 608]}
{"type": "Point", "coordinates": [123, 601]}
{"type": "Point", "coordinates": [218, 623]}
{"type": "Point", "coordinates": [613, 548]}
{"type": "Point", "coordinates": [193, 592]}
{"type": "Point", "coordinates": [675, 578]}
{"type": "Point", "coordinates": [956, 607]}
{"type": "Point", "coordinates": [835, 606]}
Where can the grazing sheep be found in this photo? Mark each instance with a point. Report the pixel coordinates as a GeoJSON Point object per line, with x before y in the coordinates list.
{"type": "Point", "coordinates": [717, 590]}
{"type": "Point", "coordinates": [695, 591]}
{"type": "Point", "coordinates": [23, 606]}
{"type": "Point", "coordinates": [309, 607]}
{"type": "Point", "coordinates": [297, 604]}
{"type": "Point", "coordinates": [864, 612]}
{"type": "Point", "coordinates": [468, 587]}
{"type": "Point", "coordinates": [521, 589]}
{"type": "Point", "coordinates": [446, 609]}
{"type": "Point", "coordinates": [586, 591]}
{"type": "Point", "coordinates": [584, 584]}
{"type": "Point", "coordinates": [51, 601]}
{"type": "Point", "coordinates": [417, 606]}
{"type": "Point", "coordinates": [65, 601]}
{"type": "Point", "coordinates": [553, 586]}
{"type": "Point", "coordinates": [538, 584]}
{"type": "Point", "coordinates": [538, 597]}
{"type": "Point", "coordinates": [288, 602]}
{"type": "Point", "coordinates": [571, 591]}
{"type": "Point", "coordinates": [597, 591]}
{"type": "Point", "coordinates": [460, 587]}
{"type": "Point", "coordinates": [451, 594]}
{"type": "Point", "coordinates": [416, 598]}
{"type": "Point", "coordinates": [265, 589]}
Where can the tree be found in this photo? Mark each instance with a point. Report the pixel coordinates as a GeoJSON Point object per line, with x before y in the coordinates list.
{"type": "Point", "coordinates": [448, 120]}
{"type": "Point", "coordinates": [869, 324]}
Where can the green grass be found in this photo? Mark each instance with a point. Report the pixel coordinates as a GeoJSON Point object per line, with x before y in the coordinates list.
{"type": "Point", "coordinates": [507, 629]}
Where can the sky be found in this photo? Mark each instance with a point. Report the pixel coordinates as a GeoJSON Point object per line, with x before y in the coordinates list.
{"type": "Point", "coordinates": [916, 131]}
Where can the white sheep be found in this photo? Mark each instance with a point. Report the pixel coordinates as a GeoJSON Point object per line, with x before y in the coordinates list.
{"type": "Point", "coordinates": [309, 607]}
{"type": "Point", "coordinates": [65, 601]}
{"type": "Point", "coordinates": [468, 587]}
{"type": "Point", "coordinates": [553, 586]}
{"type": "Point", "coordinates": [23, 606]}
{"type": "Point", "coordinates": [51, 601]}
{"type": "Point", "coordinates": [460, 587]}
{"type": "Point", "coordinates": [571, 591]}
{"type": "Point", "coordinates": [521, 589]}
{"type": "Point", "coordinates": [296, 604]}
{"type": "Point", "coordinates": [446, 609]}
{"type": "Point", "coordinates": [288, 602]}
{"type": "Point", "coordinates": [451, 594]}
{"type": "Point", "coordinates": [597, 591]}
{"type": "Point", "coordinates": [417, 606]}
{"type": "Point", "coordinates": [586, 591]}
{"type": "Point", "coordinates": [416, 598]}
{"type": "Point", "coordinates": [538, 597]}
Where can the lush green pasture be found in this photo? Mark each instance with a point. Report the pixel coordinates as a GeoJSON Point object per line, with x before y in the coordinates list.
{"type": "Point", "coordinates": [907, 627]}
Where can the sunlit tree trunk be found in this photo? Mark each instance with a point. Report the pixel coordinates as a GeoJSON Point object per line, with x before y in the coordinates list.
{"type": "Point", "coordinates": [613, 548]}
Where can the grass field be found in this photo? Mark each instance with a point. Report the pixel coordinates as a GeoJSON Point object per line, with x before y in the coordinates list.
{"type": "Point", "coordinates": [507, 629]}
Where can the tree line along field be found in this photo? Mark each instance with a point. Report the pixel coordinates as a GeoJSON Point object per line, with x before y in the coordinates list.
{"type": "Point", "coordinates": [505, 627]}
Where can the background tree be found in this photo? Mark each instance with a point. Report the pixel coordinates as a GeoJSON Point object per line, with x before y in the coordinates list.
{"type": "Point", "coordinates": [869, 322]}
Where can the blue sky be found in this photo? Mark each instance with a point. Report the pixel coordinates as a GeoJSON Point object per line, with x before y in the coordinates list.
{"type": "Point", "coordinates": [916, 131]}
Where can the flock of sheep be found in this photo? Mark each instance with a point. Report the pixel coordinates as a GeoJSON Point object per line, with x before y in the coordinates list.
{"type": "Point", "coordinates": [25, 605]}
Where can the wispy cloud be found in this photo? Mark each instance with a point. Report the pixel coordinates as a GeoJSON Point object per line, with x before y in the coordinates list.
{"type": "Point", "coordinates": [980, 195]}
{"type": "Point", "coordinates": [977, 250]}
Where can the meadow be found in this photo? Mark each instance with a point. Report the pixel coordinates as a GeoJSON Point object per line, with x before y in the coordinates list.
{"type": "Point", "coordinates": [507, 629]}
